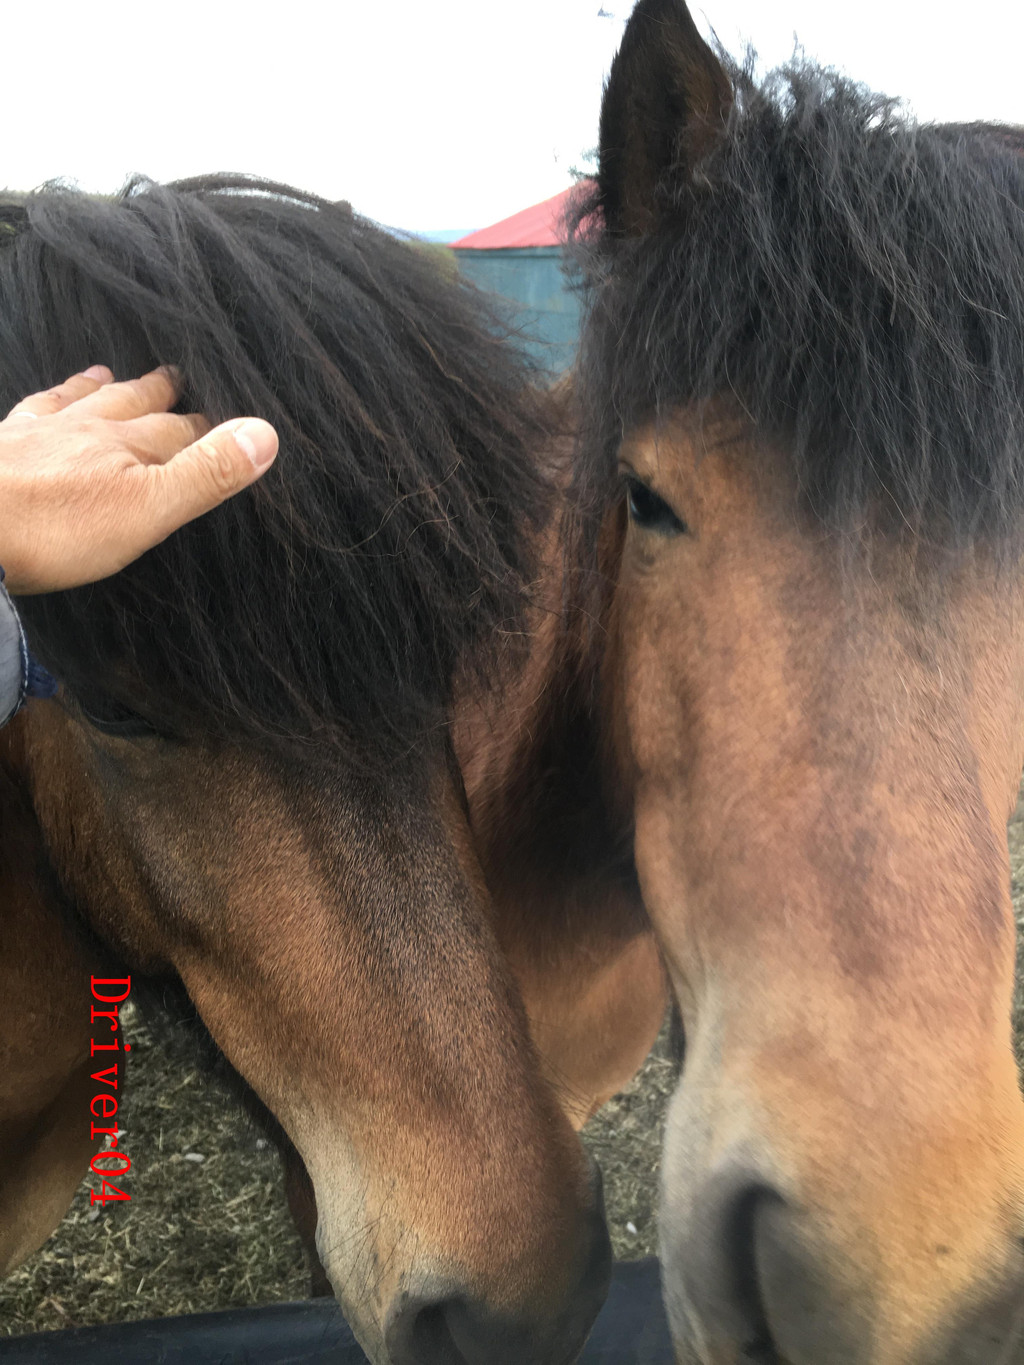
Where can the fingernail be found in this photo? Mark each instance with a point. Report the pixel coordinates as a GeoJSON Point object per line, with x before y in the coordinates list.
{"type": "Point", "coordinates": [259, 441]}
{"type": "Point", "coordinates": [97, 372]}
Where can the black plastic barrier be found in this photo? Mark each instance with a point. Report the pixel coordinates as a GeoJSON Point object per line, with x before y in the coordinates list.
{"type": "Point", "coordinates": [631, 1330]}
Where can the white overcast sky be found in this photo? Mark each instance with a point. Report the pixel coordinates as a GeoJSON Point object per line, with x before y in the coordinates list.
{"type": "Point", "coordinates": [430, 115]}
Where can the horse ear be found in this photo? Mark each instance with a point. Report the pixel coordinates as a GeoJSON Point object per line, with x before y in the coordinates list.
{"type": "Point", "coordinates": [666, 98]}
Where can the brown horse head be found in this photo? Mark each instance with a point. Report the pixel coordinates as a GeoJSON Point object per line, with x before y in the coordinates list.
{"type": "Point", "coordinates": [246, 782]}
{"type": "Point", "coordinates": [803, 373]}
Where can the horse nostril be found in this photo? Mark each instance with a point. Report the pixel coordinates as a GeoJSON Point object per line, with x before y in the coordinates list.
{"type": "Point", "coordinates": [419, 1335]}
{"type": "Point", "coordinates": [719, 1261]}
{"type": "Point", "coordinates": [447, 1324]}
{"type": "Point", "coordinates": [452, 1327]}
{"type": "Point", "coordinates": [462, 1331]}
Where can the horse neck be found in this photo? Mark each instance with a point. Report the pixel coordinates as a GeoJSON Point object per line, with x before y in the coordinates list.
{"type": "Point", "coordinates": [533, 750]}
{"type": "Point", "coordinates": [557, 854]}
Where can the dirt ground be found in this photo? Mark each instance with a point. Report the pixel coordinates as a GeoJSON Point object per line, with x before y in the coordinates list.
{"type": "Point", "coordinates": [207, 1226]}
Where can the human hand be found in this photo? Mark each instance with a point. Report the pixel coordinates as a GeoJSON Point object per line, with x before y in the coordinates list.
{"type": "Point", "coordinates": [93, 473]}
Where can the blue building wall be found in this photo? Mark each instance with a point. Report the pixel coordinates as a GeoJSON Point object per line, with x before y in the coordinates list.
{"type": "Point", "coordinates": [543, 306]}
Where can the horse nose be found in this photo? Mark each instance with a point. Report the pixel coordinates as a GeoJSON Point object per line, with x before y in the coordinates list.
{"type": "Point", "coordinates": [748, 1281]}
{"type": "Point", "coordinates": [446, 1325]}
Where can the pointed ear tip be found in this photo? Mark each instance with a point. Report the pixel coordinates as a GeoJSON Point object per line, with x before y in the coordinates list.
{"type": "Point", "coordinates": [660, 11]}
{"type": "Point", "coordinates": [666, 94]}
{"type": "Point", "coordinates": [665, 22]}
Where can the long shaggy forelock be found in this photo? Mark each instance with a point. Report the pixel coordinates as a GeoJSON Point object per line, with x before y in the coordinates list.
{"type": "Point", "coordinates": [853, 282]}
{"type": "Point", "coordinates": [386, 548]}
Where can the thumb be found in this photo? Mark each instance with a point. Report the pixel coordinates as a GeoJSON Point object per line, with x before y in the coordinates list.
{"type": "Point", "coordinates": [204, 474]}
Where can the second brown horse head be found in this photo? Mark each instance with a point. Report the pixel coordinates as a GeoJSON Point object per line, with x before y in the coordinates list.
{"type": "Point", "coordinates": [802, 377]}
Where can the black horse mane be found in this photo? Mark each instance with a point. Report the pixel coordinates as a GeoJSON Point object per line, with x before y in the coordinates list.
{"type": "Point", "coordinates": [852, 281]}
{"type": "Point", "coordinates": [388, 545]}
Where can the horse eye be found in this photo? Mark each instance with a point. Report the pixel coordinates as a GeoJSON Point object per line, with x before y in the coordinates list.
{"type": "Point", "coordinates": [650, 512]}
{"type": "Point", "coordinates": [112, 718]}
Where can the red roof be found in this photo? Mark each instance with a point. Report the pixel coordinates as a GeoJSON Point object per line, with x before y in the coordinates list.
{"type": "Point", "coordinates": [539, 225]}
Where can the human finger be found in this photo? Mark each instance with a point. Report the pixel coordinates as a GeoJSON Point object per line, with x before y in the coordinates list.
{"type": "Point", "coordinates": [49, 401]}
{"type": "Point", "coordinates": [159, 436]}
{"type": "Point", "coordinates": [204, 474]}
{"type": "Point", "coordinates": [153, 392]}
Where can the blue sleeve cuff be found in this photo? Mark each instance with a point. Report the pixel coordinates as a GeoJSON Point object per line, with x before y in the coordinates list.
{"type": "Point", "coordinates": [20, 675]}
{"type": "Point", "coordinates": [13, 659]}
